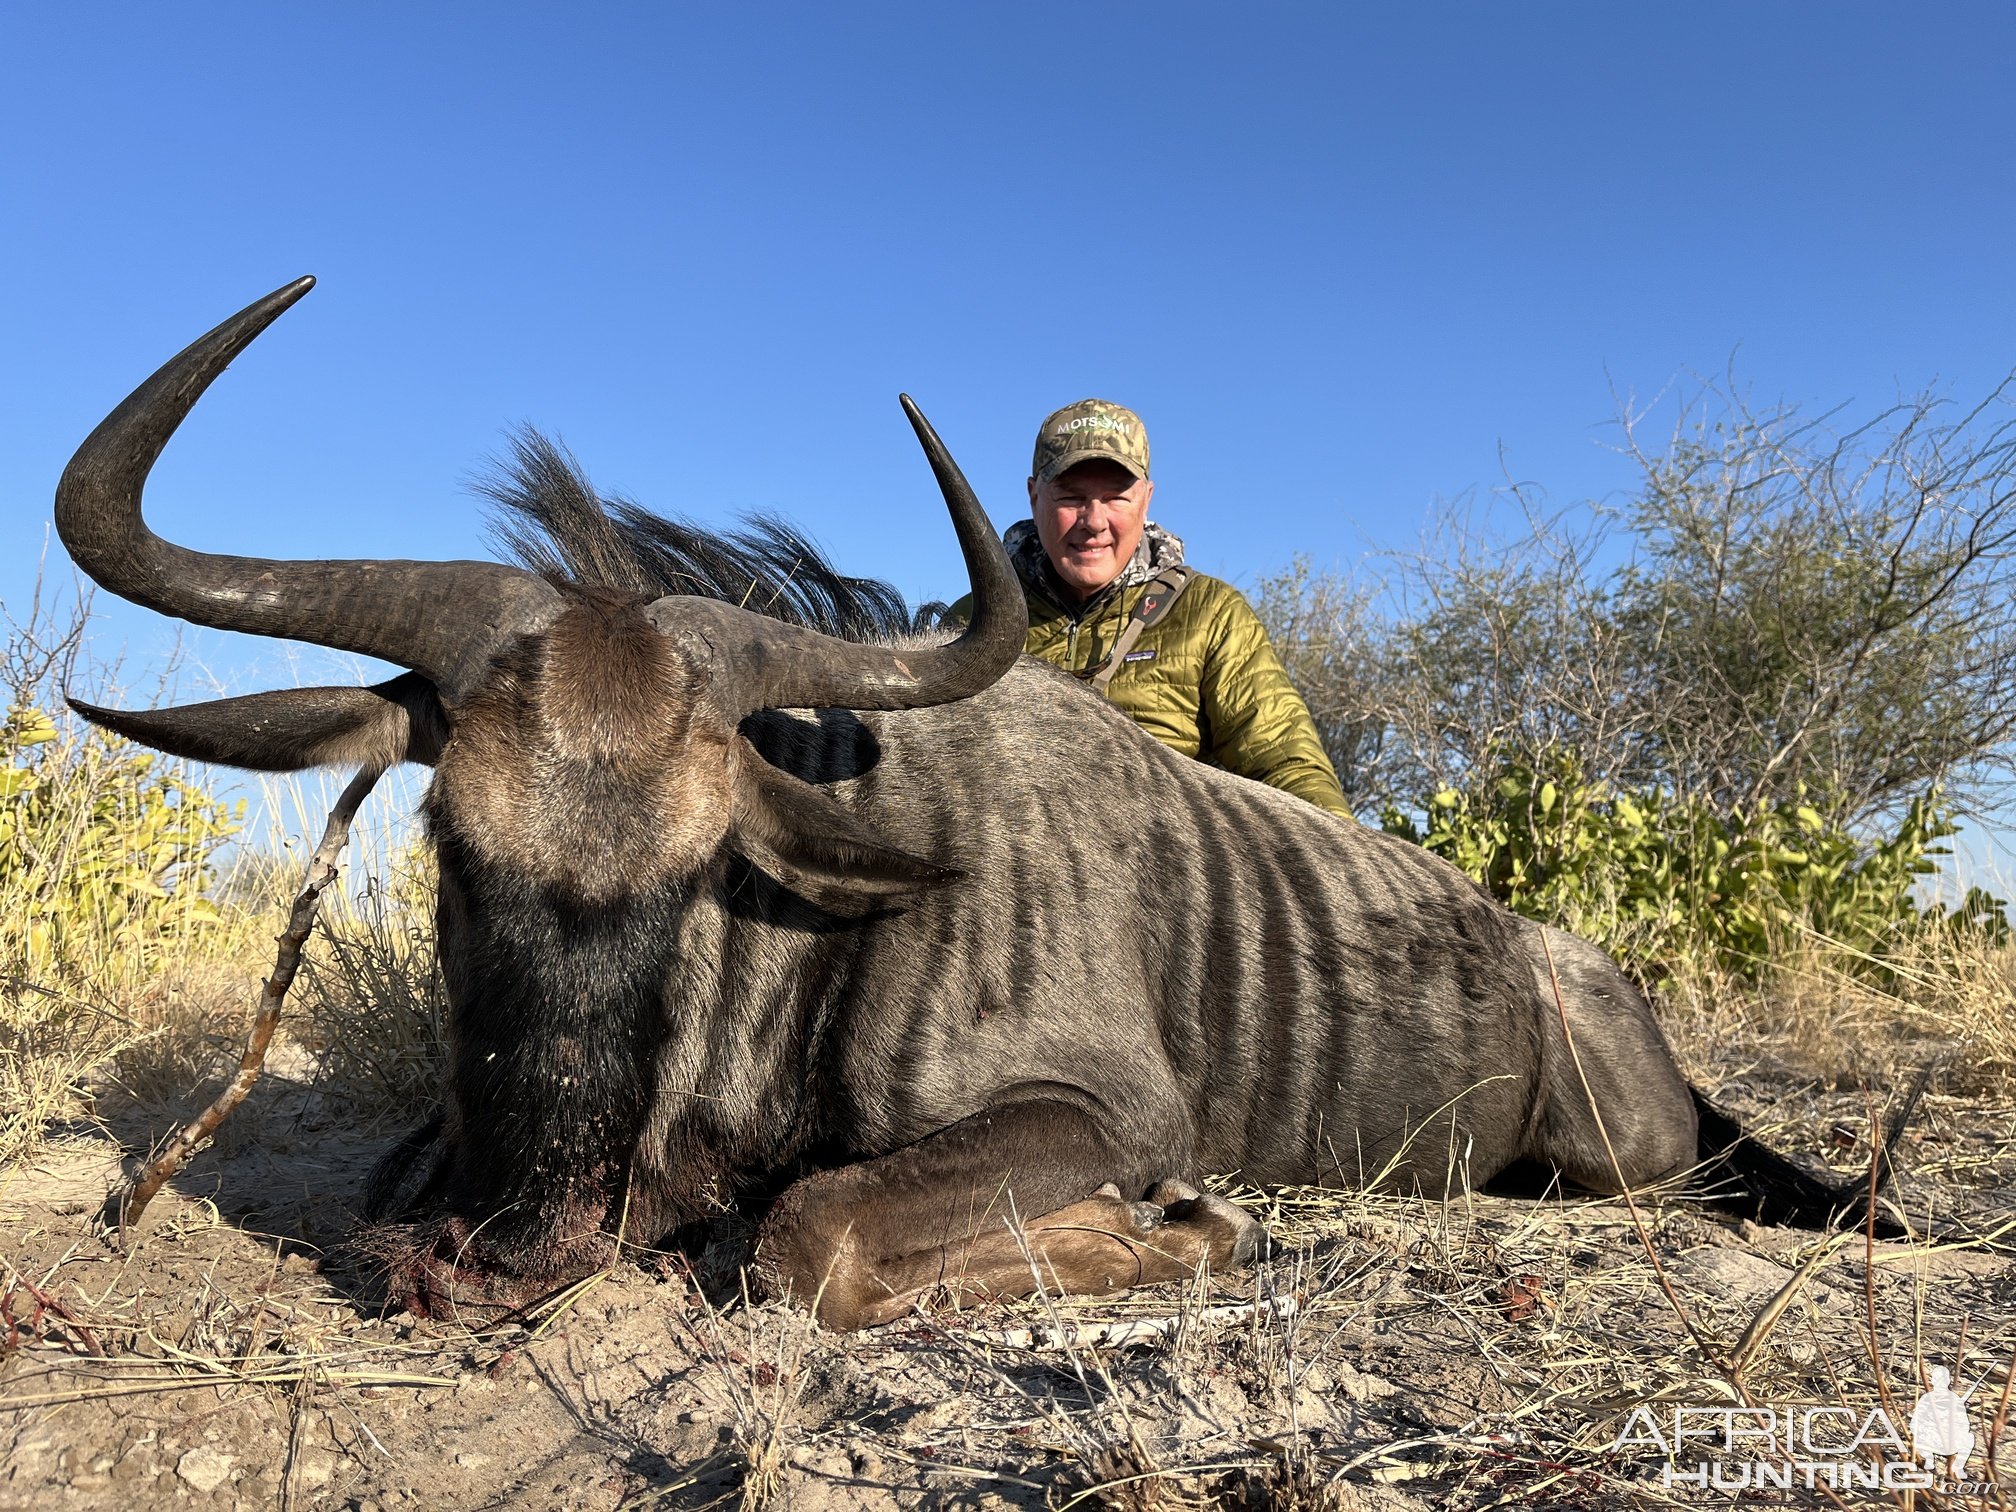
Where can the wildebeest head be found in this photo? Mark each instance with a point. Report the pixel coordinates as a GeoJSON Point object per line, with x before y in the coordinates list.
{"type": "Point", "coordinates": [585, 737]}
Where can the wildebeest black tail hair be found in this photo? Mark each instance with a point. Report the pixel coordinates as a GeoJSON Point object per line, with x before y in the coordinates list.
{"type": "Point", "coordinates": [1740, 1175]}
{"type": "Point", "coordinates": [551, 519]}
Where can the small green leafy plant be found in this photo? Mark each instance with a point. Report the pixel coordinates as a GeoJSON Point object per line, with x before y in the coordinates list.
{"type": "Point", "coordinates": [102, 847]}
{"type": "Point", "coordinates": [108, 934]}
{"type": "Point", "coordinates": [1671, 883]}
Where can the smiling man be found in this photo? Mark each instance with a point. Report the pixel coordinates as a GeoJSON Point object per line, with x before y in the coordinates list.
{"type": "Point", "coordinates": [1112, 602]}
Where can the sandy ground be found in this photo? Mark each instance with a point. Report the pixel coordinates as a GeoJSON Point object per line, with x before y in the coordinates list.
{"type": "Point", "coordinates": [1400, 1354]}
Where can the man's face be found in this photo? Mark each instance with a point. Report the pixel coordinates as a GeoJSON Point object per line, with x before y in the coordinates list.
{"type": "Point", "coordinates": [1089, 518]}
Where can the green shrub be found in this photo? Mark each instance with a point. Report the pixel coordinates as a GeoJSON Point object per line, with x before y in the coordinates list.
{"type": "Point", "coordinates": [1668, 883]}
{"type": "Point", "coordinates": [112, 954]}
{"type": "Point", "coordinates": [103, 849]}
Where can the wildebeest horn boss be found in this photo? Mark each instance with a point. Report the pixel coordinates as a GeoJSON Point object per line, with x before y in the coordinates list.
{"type": "Point", "coordinates": [900, 938]}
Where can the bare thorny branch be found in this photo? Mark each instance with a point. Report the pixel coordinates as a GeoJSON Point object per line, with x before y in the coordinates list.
{"type": "Point", "coordinates": [127, 1201]}
{"type": "Point", "coordinates": [1786, 604]}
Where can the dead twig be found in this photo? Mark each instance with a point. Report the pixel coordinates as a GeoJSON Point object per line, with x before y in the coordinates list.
{"type": "Point", "coordinates": [290, 1467]}
{"type": "Point", "coordinates": [1767, 1319]}
{"type": "Point", "coordinates": [44, 1303]}
{"type": "Point", "coordinates": [126, 1202]}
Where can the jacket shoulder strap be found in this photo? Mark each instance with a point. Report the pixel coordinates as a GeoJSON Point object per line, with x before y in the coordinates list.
{"type": "Point", "coordinates": [1162, 591]}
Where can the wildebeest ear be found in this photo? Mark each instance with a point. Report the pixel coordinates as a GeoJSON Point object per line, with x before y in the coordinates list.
{"type": "Point", "coordinates": [815, 845]}
{"type": "Point", "coordinates": [292, 728]}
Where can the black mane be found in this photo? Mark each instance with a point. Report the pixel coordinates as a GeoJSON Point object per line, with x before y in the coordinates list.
{"type": "Point", "coordinates": [550, 518]}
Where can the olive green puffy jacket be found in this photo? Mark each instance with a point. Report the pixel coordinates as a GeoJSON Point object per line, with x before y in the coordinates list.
{"type": "Point", "coordinates": [1203, 678]}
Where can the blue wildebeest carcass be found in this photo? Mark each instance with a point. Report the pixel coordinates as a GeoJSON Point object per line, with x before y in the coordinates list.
{"type": "Point", "coordinates": [893, 940]}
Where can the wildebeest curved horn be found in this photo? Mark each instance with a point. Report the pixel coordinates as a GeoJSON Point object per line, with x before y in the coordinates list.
{"type": "Point", "coordinates": [778, 666]}
{"type": "Point", "coordinates": [441, 619]}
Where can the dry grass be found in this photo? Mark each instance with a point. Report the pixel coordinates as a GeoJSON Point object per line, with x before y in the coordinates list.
{"type": "Point", "coordinates": [1465, 1352]}
{"type": "Point", "coordinates": [1958, 994]}
{"type": "Point", "coordinates": [1826, 1016]}
{"type": "Point", "coordinates": [371, 1006]}
{"type": "Point", "coordinates": [758, 1361]}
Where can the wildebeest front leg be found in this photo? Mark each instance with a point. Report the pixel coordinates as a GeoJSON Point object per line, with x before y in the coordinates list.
{"type": "Point", "coordinates": [864, 1243]}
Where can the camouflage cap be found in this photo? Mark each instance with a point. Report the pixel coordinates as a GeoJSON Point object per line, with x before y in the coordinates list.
{"type": "Point", "coordinates": [1091, 429]}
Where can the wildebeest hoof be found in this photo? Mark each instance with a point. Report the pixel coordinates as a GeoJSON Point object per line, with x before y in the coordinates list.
{"type": "Point", "coordinates": [1228, 1224]}
{"type": "Point", "coordinates": [1142, 1217]}
{"type": "Point", "coordinates": [1146, 1217]}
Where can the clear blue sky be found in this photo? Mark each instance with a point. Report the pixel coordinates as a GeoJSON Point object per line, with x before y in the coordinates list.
{"type": "Point", "coordinates": [1337, 256]}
